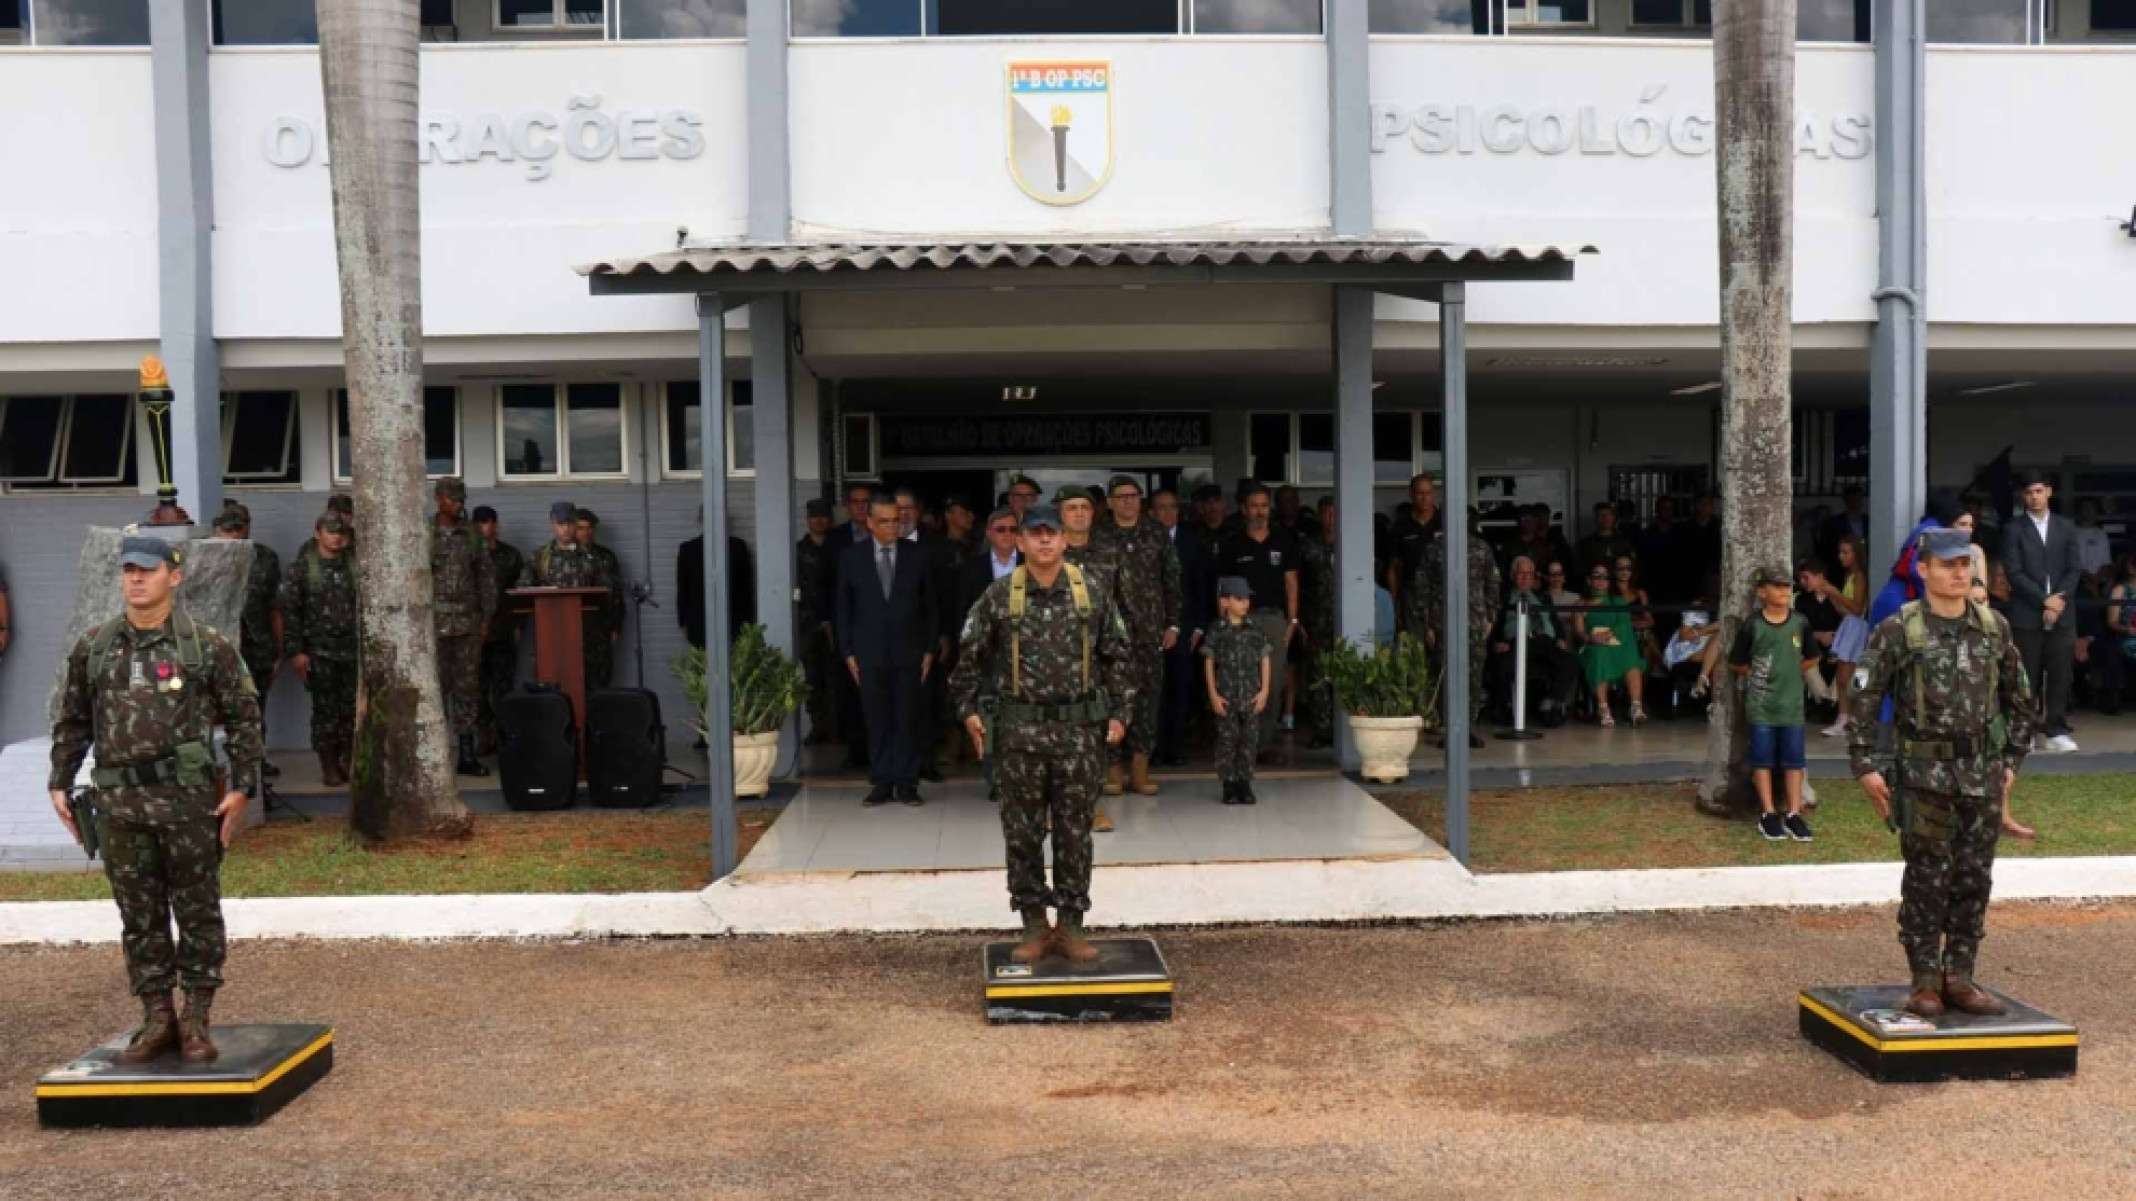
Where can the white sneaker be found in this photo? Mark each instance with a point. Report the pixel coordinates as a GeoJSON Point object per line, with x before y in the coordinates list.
{"type": "Point", "coordinates": [1837, 729]}
{"type": "Point", "coordinates": [2063, 744]}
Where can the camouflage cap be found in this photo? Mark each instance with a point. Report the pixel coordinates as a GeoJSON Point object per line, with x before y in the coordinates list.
{"type": "Point", "coordinates": [234, 516]}
{"type": "Point", "coordinates": [342, 501]}
{"type": "Point", "coordinates": [333, 521]}
{"type": "Point", "coordinates": [563, 510]}
{"type": "Point", "coordinates": [1042, 517]}
{"type": "Point", "coordinates": [451, 486]}
{"type": "Point", "coordinates": [1946, 544]}
{"type": "Point", "coordinates": [1234, 585]}
{"type": "Point", "coordinates": [148, 553]}
{"type": "Point", "coordinates": [1772, 573]}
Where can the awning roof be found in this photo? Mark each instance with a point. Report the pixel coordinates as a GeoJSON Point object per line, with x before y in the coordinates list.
{"type": "Point", "coordinates": [1391, 265]}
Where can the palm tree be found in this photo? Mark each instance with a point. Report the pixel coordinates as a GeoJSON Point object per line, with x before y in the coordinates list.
{"type": "Point", "coordinates": [403, 783]}
{"type": "Point", "coordinates": [1754, 110]}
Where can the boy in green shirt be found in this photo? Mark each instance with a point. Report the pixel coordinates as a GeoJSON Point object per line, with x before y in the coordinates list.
{"type": "Point", "coordinates": [1771, 656]}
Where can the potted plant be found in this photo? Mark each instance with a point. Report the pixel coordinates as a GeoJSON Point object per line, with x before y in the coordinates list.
{"type": "Point", "coordinates": [764, 686]}
{"type": "Point", "coordinates": [1386, 693]}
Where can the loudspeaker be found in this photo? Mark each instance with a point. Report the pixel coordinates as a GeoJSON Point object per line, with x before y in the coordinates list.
{"type": "Point", "coordinates": [537, 757]}
{"type": "Point", "coordinates": [626, 747]}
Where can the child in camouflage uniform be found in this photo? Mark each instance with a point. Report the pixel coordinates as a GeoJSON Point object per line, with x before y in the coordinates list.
{"type": "Point", "coordinates": [1237, 670]}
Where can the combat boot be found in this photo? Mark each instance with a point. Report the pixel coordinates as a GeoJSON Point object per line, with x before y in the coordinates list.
{"type": "Point", "coordinates": [1246, 796]}
{"type": "Point", "coordinates": [193, 1026]}
{"type": "Point", "coordinates": [158, 1034]}
{"type": "Point", "coordinates": [469, 765]}
{"type": "Point", "coordinates": [1037, 936]}
{"type": "Point", "coordinates": [330, 773]}
{"type": "Point", "coordinates": [1965, 996]}
{"type": "Point", "coordinates": [1112, 778]}
{"type": "Point", "coordinates": [1069, 940]}
{"type": "Point", "coordinates": [1926, 999]}
{"type": "Point", "coordinates": [1101, 822]}
{"type": "Point", "coordinates": [1142, 784]}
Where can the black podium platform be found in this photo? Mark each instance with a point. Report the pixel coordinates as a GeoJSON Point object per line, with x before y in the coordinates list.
{"type": "Point", "coordinates": [1127, 982]}
{"type": "Point", "coordinates": [1868, 1027]}
{"type": "Point", "coordinates": [260, 1069]}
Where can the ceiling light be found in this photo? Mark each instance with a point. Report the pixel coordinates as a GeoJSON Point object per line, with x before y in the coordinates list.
{"type": "Point", "coordinates": [2011, 386]}
{"type": "Point", "coordinates": [1711, 385]}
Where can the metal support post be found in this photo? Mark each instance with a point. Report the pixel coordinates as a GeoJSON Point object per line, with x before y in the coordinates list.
{"type": "Point", "coordinates": [771, 395]}
{"type": "Point", "coordinates": [719, 720]}
{"type": "Point", "coordinates": [1355, 613]}
{"type": "Point", "coordinates": [185, 221]}
{"type": "Point", "coordinates": [1453, 640]}
{"type": "Point", "coordinates": [1898, 357]}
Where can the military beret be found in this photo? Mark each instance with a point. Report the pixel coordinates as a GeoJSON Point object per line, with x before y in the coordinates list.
{"type": "Point", "coordinates": [1042, 517]}
{"type": "Point", "coordinates": [1234, 585]}
{"type": "Point", "coordinates": [234, 516]}
{"type": "Point", "coordinates": [138, 550]}
{"type": "Point", "coordinates": [1123, 481]}
{"type": "Point", "coordinates": [451, 486]}
{"type": "Point", "coordinates": [818, 507]}
{"type": "Point", "coordinates": [1208, 492]}
{"type": "Point", "coordinates": [1020, 480]}
{"type": "Point", "coordinates": [1946, 544]}
{"type": "Point", "coordinates": [484, 513]}
{"type": "Point", "coordinates": [563, 510]}
{"type": "Point", "coordinates": [588, 516]}
{"type": "Point", "coordinates": [1067, 492]}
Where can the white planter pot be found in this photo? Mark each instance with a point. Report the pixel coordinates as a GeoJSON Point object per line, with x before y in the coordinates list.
{"type": "Point", "coordinates": [1384, 744]}
{"type": "Point", "coordinates": [754, 757]}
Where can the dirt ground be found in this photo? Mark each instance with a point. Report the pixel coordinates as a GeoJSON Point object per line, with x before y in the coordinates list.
{"type": "Point", "coordinates": [1635, 1057]}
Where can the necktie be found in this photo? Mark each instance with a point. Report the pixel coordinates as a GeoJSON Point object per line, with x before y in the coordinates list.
{"type": "Point", "coordinates": [885, 568]}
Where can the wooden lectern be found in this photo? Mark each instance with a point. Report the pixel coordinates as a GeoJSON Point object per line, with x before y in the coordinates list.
{"type": "Point", "coordinates": [559, 646]}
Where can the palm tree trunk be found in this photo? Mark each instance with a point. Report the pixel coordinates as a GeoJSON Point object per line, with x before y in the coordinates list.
{"type": "Point", "coordinates": [403, 783]}
{"type": "Point", "coordinates": [1754, 110]}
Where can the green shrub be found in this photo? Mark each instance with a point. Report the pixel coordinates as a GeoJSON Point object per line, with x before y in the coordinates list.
{"type": "Point", "coordinates": [765, 685]}
{"type": "Point", "coordinates": [1391, 681]}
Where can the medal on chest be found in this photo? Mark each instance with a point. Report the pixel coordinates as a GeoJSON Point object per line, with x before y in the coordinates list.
{"type": "Point", "coordinates": [167, 677]}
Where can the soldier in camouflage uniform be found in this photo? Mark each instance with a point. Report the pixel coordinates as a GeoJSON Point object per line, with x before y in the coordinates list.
{"type": "Point", "coordinates": [1058, 671]}
{"type": "Point", "coordinates": [319, 636]}
{"type": "Point", "coordinates": [1964, 719]}
{"type": "Point", "coordinates": [1239, 670]}
{"type": "Point", "coordinates": [815, 569]}
{"type": "Point", "coordinates": [259, 641]}
{"type": "Point", "coordinates": [1077, 506]}
{"type": "Point", "coordinates": [601, 654]}
{"type": "Point", "coordinates": [1151, 597]}
{"type": "Point", "coordinates": [1426, 595]}
{"type": "Point", "coordinates": [147, 690]}
{"type": "Point", "coordinates": [1317, 591]}
{"type": "Point", "coordinates": [463, 595]}
{"type": "Point", "coordinates": [561, 563]}
{"type": "Point", "coordinates": [500, 641]}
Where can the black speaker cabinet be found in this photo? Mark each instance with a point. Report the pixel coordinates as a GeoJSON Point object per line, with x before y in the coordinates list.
{"type": "Point", "coordinates": [626, 747]}
{"type": "Point", "coordinates": [537, 759]}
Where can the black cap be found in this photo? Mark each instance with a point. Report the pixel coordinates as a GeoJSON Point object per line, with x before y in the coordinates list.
{"type": "Point", "coordinates": [957, 500]}
{"type": "Point", "coordinates": [140, 551]}
{"type": "Point", "coordinates": [1208, 492]}
{"type": "Point", "coordinates": [817, 507]}
{"type": "Point", "coordinates": [484, 513]}
{"type": "Point", "coordinates": [1042, 516]}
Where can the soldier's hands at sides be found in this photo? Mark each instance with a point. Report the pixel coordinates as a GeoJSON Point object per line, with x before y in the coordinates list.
{"type": "Point", "coordinates": [232, 813]}
{"type": "Point", "coordinates": [1219, 706]}
{"type": "Point", "coordinates": [976, 727]}
{"type": "Point", "coordinates": [1115, 732]}
{"type": "Point", "coordinates": [853, 667]}
{"type": "Point", "coordinates": [1171, 639]}
{"type": "Point", "coordinates": [301, 664]}
{"type": "Point", "coordinates": [1879, 794]}
{"type": "Point", "coordinates": [1260, 702]}
{"type": "Point", "coordinates": [66, 815]}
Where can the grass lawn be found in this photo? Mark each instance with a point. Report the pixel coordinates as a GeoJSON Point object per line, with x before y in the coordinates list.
{"type": "Point", "coordinates": [1626, 826]}
{"type": "Point", "coordinates": [570, 851]}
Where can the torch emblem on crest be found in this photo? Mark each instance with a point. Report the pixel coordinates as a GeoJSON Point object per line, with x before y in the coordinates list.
{"type": "Point", "coordinates": [1060, 129]}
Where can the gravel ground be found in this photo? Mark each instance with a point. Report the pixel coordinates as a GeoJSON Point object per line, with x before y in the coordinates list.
{"type": "Point", "coordinates": [1639, 1057]}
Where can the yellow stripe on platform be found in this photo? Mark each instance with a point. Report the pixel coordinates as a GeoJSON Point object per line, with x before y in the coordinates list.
{"type": "Point", "coordinates": [209, 1088]}
{"type": "Point", "coordinates": [1010, 992]}
{"type": "Point", "coordinates": [1985, 1042]}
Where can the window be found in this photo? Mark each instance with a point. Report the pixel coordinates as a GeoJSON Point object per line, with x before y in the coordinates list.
{"type": "Point", "coordinates": [1429, 16]}
{"type": "Point", "coordinates": [48, 441]}
{"type": "Point", "coordinates": [1268, 447]}
{"type": "Point", "coordinates": [856, 18]}
{"type": "Point", "coordinates": [551, 14]}
{"type": "Point", "coordinates": [10, 22]}
{"type": "Point", "coordinates": [1316, 449]}
{"type": "Point", "coordinates": [682, 18]}
{"type": "Point", "coordinates": [2113, 16]}
{"type": "Point", "coordinates": [265, 22]}
{"type": "Point", "coordinates": [1533, 13]}
{"type": "Point", "coordinates": [1832, 21]}
{"type": "Point", "coordinates": [1394, 447]}
{"type": "Point", "coordinates": [2001, 22]}
{"type": "Point", "coordinates": [259, 438]}
{"type": "Point", "coordinates": [547, 430]}
{"type": "Point", "coordinates": [985, 18]}
{"type": "Point", "coordinates": [857, 446]}
{"type": "Point", "coordinates": [1673, 14]}
{"type": "Point", "coordinates": [684, 455]}
{"type": "Point", "coordinates": [1255, 16]}
{"type": "Point", "coordinates": [441, 432]}
{"type": "Point", "coordinates": [88, 22]}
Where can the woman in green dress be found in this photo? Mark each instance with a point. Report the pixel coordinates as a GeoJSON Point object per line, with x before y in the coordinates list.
{"type": "Point", "coordinates": [1609, 648]}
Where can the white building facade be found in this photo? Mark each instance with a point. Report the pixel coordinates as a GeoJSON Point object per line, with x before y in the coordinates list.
{"type": "Point", "coordinates": [561, 132]}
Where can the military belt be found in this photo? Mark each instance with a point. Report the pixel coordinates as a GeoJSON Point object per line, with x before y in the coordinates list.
{"type": "Point", "coordinates": [137, 775]}
{"type": "Point", "coordinates": [1950, 746]}
{"type": "Point", "coordinates": [1088, 709]}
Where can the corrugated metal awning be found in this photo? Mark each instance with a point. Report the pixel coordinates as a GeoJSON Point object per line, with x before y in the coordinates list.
{"type": "Point", "coordinates": [761, 267]}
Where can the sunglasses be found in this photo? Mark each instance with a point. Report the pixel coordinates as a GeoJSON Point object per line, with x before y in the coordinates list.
{"type": "Point", "coordinates": [1003, 528]}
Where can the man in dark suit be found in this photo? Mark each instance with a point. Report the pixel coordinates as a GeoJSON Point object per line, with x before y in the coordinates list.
{"type": "Point", "coordinates": [2039, 551]}
{"type": "Point", "coordinates": [851, 532]}
{"type": "Point", "coordinates": [1180, 661]}
{"type": "Point", "coordinates": [889, 624]}
{"type": "Point", "coordinates": [1852, 521]}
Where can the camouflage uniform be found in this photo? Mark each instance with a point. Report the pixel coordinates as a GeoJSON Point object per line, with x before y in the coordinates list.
{"type": "Point", "coordinates": [1148, 586]}
{"type": "Point", "coordinates": [1947, 784]}
{"type": "Point", "coordinates": [463, 585]}
{"type": "Point", "coordinates": [319, 620]}
{"type": "Point", "coordinates": [1237, 651]}
{"type": "Point", "coordinates": [1046, 766]}
{"type": "Point", "coordinates": [601, 655]}
{"type": "Point", "coordinates": [500, 642]}
{"type": "Point", "coordinates": [1317, 589]}
{"type": "Point", "coordinates": [1426, 608]}
{"type": "Point", "coordinates": [256, 630]}
{"type": "Point", "coordinates": [555, 566]}
{"type": "Point", "coordinates": [151, 706]}
{"type": "Point", "coordinates": [815, 564]}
